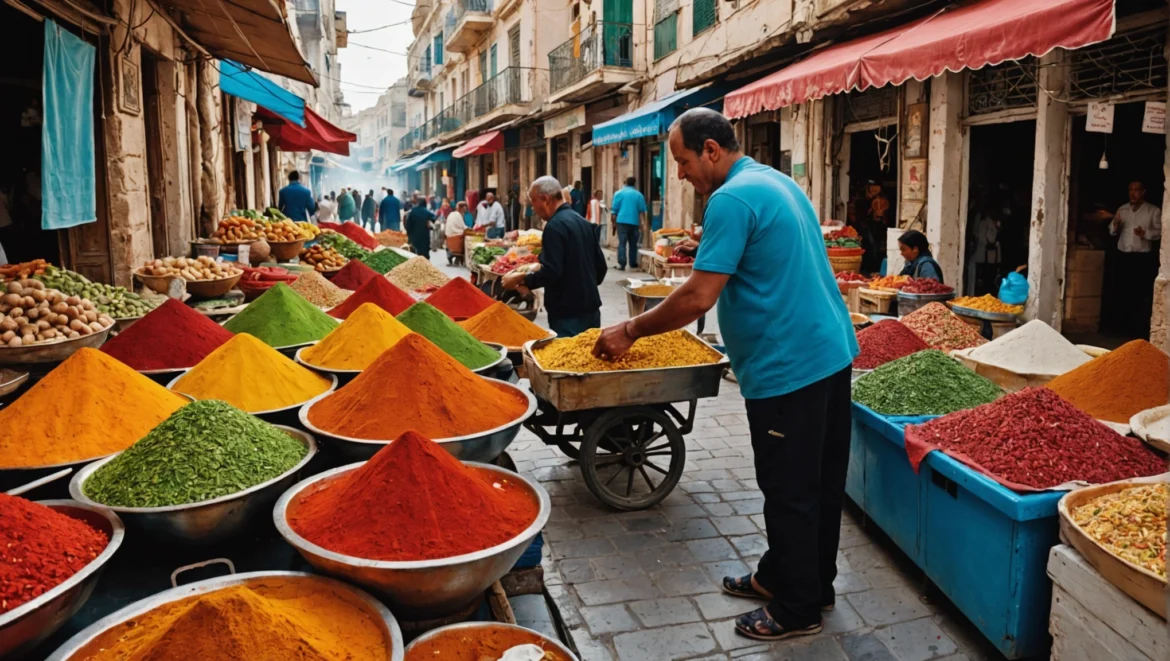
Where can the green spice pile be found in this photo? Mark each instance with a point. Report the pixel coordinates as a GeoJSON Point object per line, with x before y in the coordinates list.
{"type": "Point", "coordinates": [382, 261]}
{"type": "Point", "coordinates": [204, 450]}
{"type": "Point", "coordinates": [426, 320]}
{"type": "Point", "coordinates": [281, 318]}
{"type": "Point", "coordinates": [923, 383]}
{"type": "Point", "coordinates": [342, 244]}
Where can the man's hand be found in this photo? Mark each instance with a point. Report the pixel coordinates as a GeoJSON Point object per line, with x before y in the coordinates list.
{"type": "Point", "coordinates": [614, 342]}
{"type": "Point", "coordinates": [686, 247]}
{"type": "Point", "coordinates": [513, 280]}
{"type": "Point", "coordinates": [1140, 231]}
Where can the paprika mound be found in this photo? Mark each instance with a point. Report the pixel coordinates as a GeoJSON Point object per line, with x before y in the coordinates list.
{"type": "Point", "coordinates": [485, 641]}
{"type": "Point", "coordinates": [171, 336]}
{"type": "Point", "coordinates": [414, 501]}
{"type": "Point", "coordinates": [353, 275]}
{"type": "Point", "coordinates": [884, 341]}
{"type": "Point", "coordinates": [281, 318]}
{"type": "Point", "coordinates": [441, 399]}
{"type": "Point", "coordinates": [1119, 385]}
{"type": "Point", "coordinates": [251, 376]}
{"type": "Point", "coordinates": [40, 548]}
{"type": "Point", "coordinates": [358, 341]}
{"type": "Point", "coordinates": [459, 299]}
{"type": "Point", "coordinates": [89, 406]}
{"type": "Point", "coordinates": [380, 292]}
{"type": "Point", "coordinates": [437, 327]}
{"type": "Point", "coordinates": [500, 324]}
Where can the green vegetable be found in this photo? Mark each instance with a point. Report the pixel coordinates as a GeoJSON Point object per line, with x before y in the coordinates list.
{"type": "Point", "coordinates": [486, 254]}
{"type": "Point", "coordinates": [923, 383]}
{"type": "Point", "coordinates": [204, 450]}
{"type": "Point", "coordinates": [273, 212]}
{"type": "Point", "coordinates": [342, 244]}
{"type": "Point", "coordinates": [118, 302]}
{"type": "Point", "coordinates": [382, 260]}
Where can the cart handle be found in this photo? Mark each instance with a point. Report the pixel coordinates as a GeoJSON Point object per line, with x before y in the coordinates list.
{"type": "Point", "coordinates": [197, 565]}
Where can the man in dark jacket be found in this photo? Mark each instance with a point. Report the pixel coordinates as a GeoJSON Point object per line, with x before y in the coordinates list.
{"type": "Point", "coordinates": [571, 263]}
{"type": "Point", "coordinates": [294, 200]}
{"type": "Point", "coordinates": [390, 212]}
{"type": "Point", "coordinates": [369, 208]}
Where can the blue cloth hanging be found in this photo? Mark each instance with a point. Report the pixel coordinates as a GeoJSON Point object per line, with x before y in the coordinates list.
{"type": "Point", "coordinates": [68, 177]}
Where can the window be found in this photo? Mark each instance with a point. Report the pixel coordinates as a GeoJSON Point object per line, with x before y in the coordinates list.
{"type": "Point", "coordinates": [665, 28]}
{"type": "Point", "coordinates": [483, 67]}
{"type": "Point", "coordinates": [706, 14]}
{"type": "Point", "coordinates": [426, 63]}
{"type": "Point", "coordinates": [514, 46]}
{"type": "Point", "coordinates": [439, 48]}
{"type": "Point", "coordinates": [494, 61]}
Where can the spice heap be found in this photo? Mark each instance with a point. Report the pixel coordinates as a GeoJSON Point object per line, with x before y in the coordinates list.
{"type": "Point", "coordinates": [1033, 348]}
{"type": "Point", "coordinates": [673, 349]}
{"type": "Point", "coordinates": [204, 450]}
{"type": "Point", "coordinates": [89, 406]}
{"type": "Point", "coordinates": [378, 291]}
{"type": "Point", "coordinates": [889, 282]}
{"type": "Point", "coordinates": [353, 275]}
{"type": "Point", "coordinates": [925, 286]}
{"type": "Point", "coordinates": [444, 399]}
{"type": "Point", "coordinates": [941, 329]}
{"type": "Point", "coordinates": [359, 235]}
{"type": "Point", "coordinates": [923, 383]}
{"type": "Point", "coordinates": [1131, 523]}
{"type": "Point", "coordinates": [281, 318]}
{"type": "Point", "coordinates": [391, 238]}
{"type": "Point", "coordinates": [382, 261]}
{"type": "Point", "coordinates": [251, 376]}
{"type": "Point", "coordinates": [438, 328]}
{"type": "Point", "coordinates": [1120, 384]}
{"type": "Point", "coordinates": [884, 341]}
{"type": "Point", "coordinates": [500, 324]}
{"type": "Point", "coordinates": [417, 273]}
{"type": "Point", "coordinates": [40, 548]}
{"type": "Point", "coordinates": [172, 336]}
{"type": "Point", "coordinates": [460, 299]}
{"type": "Point", "coordinates": [1034, 439]}
{"type": "Point", "coordinates": [851, 277]}
{"type": "Point", "coordinates": [272, 618]}
{"type": "Point", "coordinates": [414, 501]}
{"type": "Point", "coordinates": [358, 341]}
{"type": "Point", "coordinates": [654, 291]}
{"type": "Point", "coordinates": [341, 243]}
{"type": "Point", "coordinates": [987, 303]}
{"type": "Point", "coordinates": [483, 642]}
{"type": "Point", "coordinates": [314, 288]}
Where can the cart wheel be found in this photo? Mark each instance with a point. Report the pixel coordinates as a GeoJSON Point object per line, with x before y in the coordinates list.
{"type": "Point", "coordinates": [632, 457]}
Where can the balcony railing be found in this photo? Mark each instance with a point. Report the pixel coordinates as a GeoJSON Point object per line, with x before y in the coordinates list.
{"type": "Point", "coordinates": [599, 45]}
{"type": "Point", "coordinates": [421, 70]}
{"type": "Point", "coordinates": [462, 7]}
{"type": "Point", "coordinates": [413, 138]}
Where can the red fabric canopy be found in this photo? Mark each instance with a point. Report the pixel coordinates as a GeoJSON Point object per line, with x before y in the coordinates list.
{"type": "Point", "coordinates": [486, 143]}
{"type": "Point", "coordinates": [982, 33]}
{"type": "Point", "coordinates": [317, 134]}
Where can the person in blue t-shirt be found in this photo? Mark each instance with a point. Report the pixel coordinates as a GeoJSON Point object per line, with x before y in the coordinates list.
{"type": "Point", "coordinates": [295, 200]}
{"type": "Point", "coordinates": [390, 212]}
{"type": "Point", "coordinates": [629, 212]}
{"type": "Point", "coordinates": [791, 346]}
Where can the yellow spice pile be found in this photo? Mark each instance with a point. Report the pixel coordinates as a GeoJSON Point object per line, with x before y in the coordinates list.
{"type": "Point", "coordinates": [674, 349]}
{"type": "Point", "coordinates": [1131, 523]}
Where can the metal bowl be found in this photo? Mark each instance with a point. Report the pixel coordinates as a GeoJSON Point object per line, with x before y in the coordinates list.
{"type": "Point", "coordinates": [11, 381]}
{"type": "Point", "coordinates": [27, 625]}
{"type": "Point", "coordinates": [345, 375]}
{"type": "Point", "coordinates": [52, 352]}
{"type": "Point", "coordinates": [423, 588]}
{"type": "Point", "coordinates": [498, 348]}
{"type": "Point", "coordinates": [481, 446]}
{"type": "Point", "coordinates": [390, 630]}
{"type": "Point", "coordinates": [470, 629]}
{"type": "Point", "coordinates": [285, 411]}
{"type": "Point", "coordinates": [205, 522]}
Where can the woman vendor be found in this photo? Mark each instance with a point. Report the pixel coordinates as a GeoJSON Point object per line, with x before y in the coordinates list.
{"type": "Point", "coordinates": [919, 262]}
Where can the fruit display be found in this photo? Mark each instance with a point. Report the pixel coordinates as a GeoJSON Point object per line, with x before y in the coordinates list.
{"type": "Point", "coordinates": [118, 302]}
{"type": "Point", "coordinates": [22, 270]}
{"type": "Point", "coordinates": [237, 229]}
{"type": "Point", "coordinates": [323, 258]}
{"type": "Point", "coordinates": [190, 268]}
{"type": "Point", "coordinates": [508, 263]}
{"type": "Point", "coordinates": [286, 230]}
{"type": "Point", "coordinates": [889, 282]}
{"type": "Point", "coordinates": [531, 240]}
{"type": "Point", "coordinates": [851, 276]}
{"type": "Point", "coordinates": [680, 259]}
{"type": "Point", "coordinates": [342, 244]}
{"type": "Point", "coordinates": [31, 313]}
{"type": "Point", "coordinates": [846, 237]}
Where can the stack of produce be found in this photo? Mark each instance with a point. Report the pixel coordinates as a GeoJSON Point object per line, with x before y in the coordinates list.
{"type": "Point", "coordinates": [170, 337]}
{"type": "Point", "coordinates": [358, 341]}
{"type": "Point", "coordinates": [319, 291]}
{"type": "Point", "coordinates": [923, 383]}
{"type": "Point", "coordinates": [926, 286]}
{"type": "Point", "coordinates": [190, 268]}
{"type": "Point", "coordinates": [1033, 348]}
{"type": "Point", "coordinates": [204, 450]}
{"type": "Point", "coordinates": [889, 282]}
{"type": "Point", "coordinates": [846, 237]}
{"type": "Point", "coordinates": [483, 642]}
{"type": "Point", "coordinates": [666, 239]}
{"type": "Point", "coordinates": [280, 617]}
{"type": "Point", "coordinates": [532, 239]}
{"type": "Point", "coordinates": [941, 329]}
{"type": "Point", "coordinates": [673, 349]}
{"type": "Point", "coordinates": [237, 229]}
{"type": "Point", "coordinates": [382, 260]}
{"type": "Point", "coordinates": [323, 258]}
{"type": "Point", "coordinates": [283, 231]}
{"type": "Point", "coordinates": [258, 280]}
{"type": "Point", "coordinates": [23, 270]}
{"type": "Point", "coordinates": [342, 244]}
{"type": "Point", "coordinates": [655, 290]}
{"type": "Point", "coordinates": [32, 314]}
{"type": "Point", "coordinates": [884, 341]}
{"type": "Point", "coordinates": [509, 263]}
{"type": "Point", "coordinates": [89, 406]}
{"type": "Point", "coordinates": [680, 259]}
{"type": "Point", "coordinates": [358, 235]}
{"type": "Point", "coordinates": [1120, 384]}
{"type": "Point", "coordinates": [281, 318]}
{"type": "Point", "coordinates": [1131, 523]}
{"type": "Point", "coordinates": [378, 291]}
{"type": "Point", "coordinates": [117, 302]}
{"type": "Point", "coordinates": [500, 324]}
{"type": "Point", "coordinates": [415, 274]}
{"type": "Point", "coordinates": [448, 336]}
{"type": "Point", "coordinates": [391, 238]}
{"type": "Point", "coordinates": [1033, 439]}
{"type": "Point", "coordinates": [353, 275]}
{"type": "Point", "coordinates": [40, 548]}
{"type": "Point", "coordinates": [460, 299]}
{"type": "Point", "coordinates": [444, 399]}
{"type": "Point", "coordinates": [485, 254]}
{"type": "Point", "coordinates": [851, 277]}
{"type": "Point", "coordinates": [251, 376]}
{"type": "Point", "coordinates": [987, 303]}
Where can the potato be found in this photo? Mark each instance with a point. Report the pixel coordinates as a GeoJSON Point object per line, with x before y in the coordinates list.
{"type": "Point", "coordinates": [8, 324]}
{"type": "Point", "coordinates": [12, 299]}
{"type": "Point", "coordinates": [27, 302]}
{"type": "Point", "coordinates": [73, 300]}
{"type": "Point", "coordinates": [50, 334]}
{"type": "Point", "coordinates": [96, 327]}
{"type": "Point", "coordinates": [28, 329]}
{"type": "Point", "coordinates": [33, 313]}
{"type": "Point", "coordinates": [16, 312]}
{"type": "Point", "coordinates": [76, 325]}
{"type": "Point", "coordinates": [43, 325]}
{"type": "Point", "coordinates": [14, 287]}
{"type": "Point", "coordinates": [15, 342]}
{"type": "Point", "coordinates": [30, 338]}
{"type": "Point", "coordinates": [60, 307]}
{"type": "Point", "coordinates": [91, 315]}
{"type": "Point", "coordinates": [38, 295]}
{"type": "Point", "coordinates": [73, 335]}
{"type": "Point", "coordinates": [7, 335]}
{"type": "Point", "coordinates": [36, 285]}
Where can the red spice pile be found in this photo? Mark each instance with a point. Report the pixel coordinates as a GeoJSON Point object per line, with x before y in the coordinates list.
{"type": "Point", "coordinates": [359, 235]}
{"type": "Point", "coordinates": [941, 328]}
{"type": "Point", "coordinates": [171, 336]}
{"type": "Point", "coordinates": [39, 549]}
{"type": "Point", "coordinates": [414, 501]}
{"type": "Point", "coordinates": [379, 291]}
{"type": "Point", "coordinates": [884, 341]}
{"type": "Point", "coordinates": [1033, 439]}
{"type": "Point", "coordinates": [460, 299]}
{"type": "Point", "coordinates": [353, 275]}
{"type": "Point", "coordinates": [926, 286]}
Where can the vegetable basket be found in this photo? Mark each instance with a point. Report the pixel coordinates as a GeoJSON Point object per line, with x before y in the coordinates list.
{"type": "Point", "coordinates": [845, 262]}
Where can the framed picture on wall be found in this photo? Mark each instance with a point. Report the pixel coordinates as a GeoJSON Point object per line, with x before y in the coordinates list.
{"type": "Point", "coordinates": [914, 179]}
{"type": "Point", "coordinates": [915, 131]}
{"type": "Point", "coordinates": [129, 92]}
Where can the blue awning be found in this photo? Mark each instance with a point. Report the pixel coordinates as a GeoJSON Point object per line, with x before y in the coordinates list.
{"type": "Point", "coordinates": [403, 164]}
{"type": "Point", "coordinates": [435, 156]}
{"type": "Point", "coordinates": [248, 85]}
{"type": "Point", "coordinates": [654, 118]}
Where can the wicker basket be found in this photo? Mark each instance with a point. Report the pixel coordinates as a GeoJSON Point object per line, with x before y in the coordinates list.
{"type": "Point", "coordinates": [840, 264]}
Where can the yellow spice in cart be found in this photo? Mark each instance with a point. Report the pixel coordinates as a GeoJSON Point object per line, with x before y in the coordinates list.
{"type": "Point", "coordinates": [673, 349]}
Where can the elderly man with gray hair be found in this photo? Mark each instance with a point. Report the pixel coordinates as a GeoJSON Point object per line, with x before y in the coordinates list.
{"type": "Point", "coordinates": [571, 263]}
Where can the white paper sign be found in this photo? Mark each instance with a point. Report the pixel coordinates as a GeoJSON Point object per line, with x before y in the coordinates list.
{"type": "Point", "coordinates": [1154, 120]}
{"type": "Point", "coordinates": [1100, 118]}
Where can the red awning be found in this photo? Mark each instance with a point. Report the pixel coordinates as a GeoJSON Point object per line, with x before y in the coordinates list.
{"type": "Point", "coordinates": [486, 143]}
{"type": "Point", "coordinates": [982, 33]}
{"type": "Point", "coordinates": [317, 134]}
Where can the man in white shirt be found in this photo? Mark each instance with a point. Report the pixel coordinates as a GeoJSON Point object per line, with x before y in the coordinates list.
{"type": "Point", "coordinates": [491, 215]}
{"type": "Point", "coordinates": [1136, 225]}
{"type": "Point", "coordinates": [326, 210]}
{"type": "Point", "coordinates": [455, 225]}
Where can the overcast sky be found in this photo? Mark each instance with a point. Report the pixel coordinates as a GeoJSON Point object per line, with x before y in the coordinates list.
{"type": "Point", "coordinates": [367, 73]}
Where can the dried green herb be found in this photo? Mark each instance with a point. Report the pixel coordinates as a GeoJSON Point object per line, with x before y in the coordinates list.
{"type": "Point", "coordinates": [923, 383]}
{"type": "Point", "coordinates": [382, 261]}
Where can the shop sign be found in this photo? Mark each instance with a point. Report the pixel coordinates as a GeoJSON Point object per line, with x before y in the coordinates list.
{"type": "Point", "coordinates": [1154, 120]}
{"type": "Point", "coordinates": [1100, 118]}
{"type": "Point", "coordinates": [564, 122]}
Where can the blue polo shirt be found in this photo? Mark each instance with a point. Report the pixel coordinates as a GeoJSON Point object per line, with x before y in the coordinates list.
{"type": "Point", "coordinates": [627, 204]}
{"type": "Point", "coordinates": [781, 315]}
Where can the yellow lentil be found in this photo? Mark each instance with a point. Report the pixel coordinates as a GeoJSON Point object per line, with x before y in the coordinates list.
{"type": "Point", "coordinates": [673, 349]}
{"type": "Point", "coordinates": [988, 303]}
{"type": "Point", "coordinates": [654, 290]}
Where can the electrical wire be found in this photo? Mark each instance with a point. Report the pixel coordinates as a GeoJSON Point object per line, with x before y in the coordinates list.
{"type": "Point", "coordinates": [381, 50]}
{"type": "Point", "coordinates": [380, 27]}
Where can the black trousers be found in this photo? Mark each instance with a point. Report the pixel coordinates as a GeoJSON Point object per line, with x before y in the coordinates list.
{"type": "Point", "coordinates": [1135, 285]}
{"type": "Point", "coordinates": [801, 445]}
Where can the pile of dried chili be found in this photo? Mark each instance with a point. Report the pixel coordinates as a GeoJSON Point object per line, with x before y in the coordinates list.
{"type": "Point", "coordinates": [884, 341]}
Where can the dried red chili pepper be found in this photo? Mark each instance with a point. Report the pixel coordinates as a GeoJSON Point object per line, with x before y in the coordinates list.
{"type": "Point", "coordinates": [884, 341]}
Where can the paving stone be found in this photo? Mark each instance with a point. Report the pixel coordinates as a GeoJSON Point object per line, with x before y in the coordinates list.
{"type": "Point", "coordinates": [656, 559]}
{"type": "Point", "coordinates": [852, 535]}
{"type": "Point", "coordinates": [608, 619]}
{"type": "Point", "coordinates": [664, 644]}
{"type": "Point", "coordinates": [758, 519]}
{"type": "Point", "coordinates": [601, 528]}
{"type": "Point", "coordinates": [530, 607]}
{"type": "Point", "coordinates": [565, 605]}
{"type": "Point", "coordinates": [916, 640]}
{"type": "Point", "coordinates": [598, 593]}
{"type": "Point", "coordinates": [663, 612]}
{"type": "Point", "coordinates": [709, 550]}
{"type": "Point", "coordinates": [884, 577]}
{"type": "Point", "coordinates": [888, 605]}
{"type": "Point", "coordinates": [698, 486]}
{"type": "Point", "coordinates": [676, 582]}
{"type": "Point", "coordinates": [737, 441]}
{"type": "Point", "coordinates": [842, 619]}
{"type": "Point", "coordinates": [636, 541]}
{"type": "Point", "coordinates": [576, 570]}
{"type": "Point", "coordinates": [740, 495]}
{"type": "Point", "coordinates": [734, 525]}
{"type": "Point", "coordinates": [588, 648]}
{"type": "Point", "coordinates": [750, 545]}
{"type": "Point", "coordinates": [720, 510]}
{"type": "Point", "coordinates": [583, 548]}
{"type": "Point", "coordinates": [725, 486]}
{"type": "Point", "coordinates": [748, 507]}
{"type": "Point", "coordinates": [548, 473]}
{"type": "Point", "coordinates": [865, 647]}
{"type": "Point", "coordinates": [719, 569]}
{"type": "Point", "coordinates": [723, 462]}
{"type": "Point", "coordinates": [720, 605]}
{"type": "Point", "coordinates": [846, 583]}
{"type": "Point", "coordinates": [617, 566]}
{"type": "Point", "coordinates": [708, 475]}
{"type": "Point", "coordinates": [680, 512]}
{"type": "Point", "coordinates": [706, 498]}
{"type": "Point", "coordinates": [562, 532]}
{"type": "Point", "coordinates": [866, 557]}
{"type": "Point", "coordinates": [729, 640]}
{"type": "Point", "coordinates": [813, 648]}
{"type": "Point", "coordinates": [691, 529]}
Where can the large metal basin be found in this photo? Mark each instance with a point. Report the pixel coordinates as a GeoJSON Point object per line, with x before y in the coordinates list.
{"type": "Point", "coordinates": [392, 634]}
{"type": "Point", "coordinates": [204, 522]}
{"type": "Point", "coordinates": [52, 352]}
{"type": "Point", "coordinates": [471, 629]}
{"type": "Point", "coordinates": [423, 588]}
{"type": "Point", "coordinates": [25, 626]}
{"type": "Point", "coordinates": [498, 348]}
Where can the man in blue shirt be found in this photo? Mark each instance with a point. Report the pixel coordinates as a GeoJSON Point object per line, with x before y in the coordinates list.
{"type": "Point", "coordinates": [295, 200]}
{"type": "Point", "coordinates": [791, 345]}
{"type": "Point", "coordinates": [390, 212]}
{"type": "Point", "coordinates": [629, 212]}
{"type": "Point", "coordinates": [578, 198]}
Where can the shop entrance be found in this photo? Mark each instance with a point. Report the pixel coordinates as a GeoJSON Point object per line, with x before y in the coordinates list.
{"type": "Point", "coordinates": [872, 182]}
{"type": "Point", "coordinates": [999, 197]}
{"type": "Point", "coordinates": [653, 178]}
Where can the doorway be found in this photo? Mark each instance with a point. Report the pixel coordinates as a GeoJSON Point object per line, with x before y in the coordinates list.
{"type": "Point", "coordinates": [873, 189]}
{"type": "Point", "coordinates": [999, 201]}
{"type": "Point", "coordinates": [155, 181]}
{"type": "Point", "coordinates": [654, 180]}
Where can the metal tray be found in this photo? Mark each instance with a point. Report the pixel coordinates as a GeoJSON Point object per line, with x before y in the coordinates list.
{"type": "Point", "coordinates": [569, 391]}
{"type": "Point", "coordinates": [52, 352]}
{"type": "Point", "coordinates": [11, 380]}
{"type": "Point", "coordinates": [982, 314]}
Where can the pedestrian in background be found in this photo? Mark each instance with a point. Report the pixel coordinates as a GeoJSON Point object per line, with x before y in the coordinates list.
{"type": "Point", "coordinates": [327, 209]}
{"type": "Point", "coordinates": [295, 200]}
{"type": "Point", "coordinates": [577, 198]}
{"type": "Point", "coordinates": [369, 210]}
{"type": "Point", "coordinates": [357, 205]}
{"type": "Point", "coordinates": [629, 212]}
{"type": "Point", "coordinates": [418, 226]}
{"type": "Point", "coordinates": [390, 212]}
{"type": "Point", "coordinates": [346, 209]}
{"type": "Point", "coordinates": [491, 216]}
